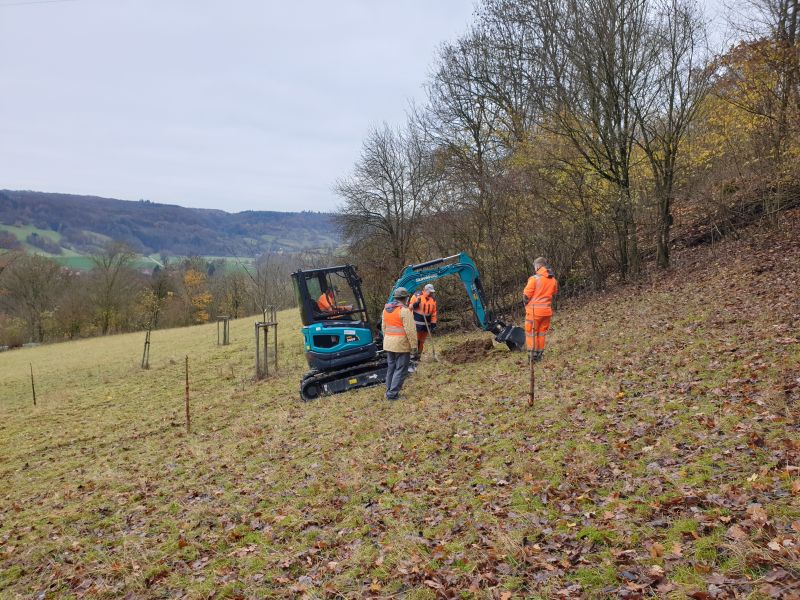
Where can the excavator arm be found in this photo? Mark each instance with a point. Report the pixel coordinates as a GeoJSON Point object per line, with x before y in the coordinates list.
{"type": "Point", "coordinates": [416, 276]}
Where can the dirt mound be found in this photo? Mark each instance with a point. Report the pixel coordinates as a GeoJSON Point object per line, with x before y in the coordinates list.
{"type": "Point", "coordinates": [469, 351]}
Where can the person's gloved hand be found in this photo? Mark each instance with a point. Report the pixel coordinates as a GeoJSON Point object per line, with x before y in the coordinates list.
{"type": "Point", "coordinates": [415, 355]}
{"type": "Point", "coordinates": [432, 327]}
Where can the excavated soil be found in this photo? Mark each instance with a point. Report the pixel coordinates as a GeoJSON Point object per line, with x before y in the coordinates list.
{"type": "Point", "coordinates": [469, 351]}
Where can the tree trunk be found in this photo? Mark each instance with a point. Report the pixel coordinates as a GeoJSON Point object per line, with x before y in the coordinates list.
{"type": "Point", "coordinates": [664, 226]}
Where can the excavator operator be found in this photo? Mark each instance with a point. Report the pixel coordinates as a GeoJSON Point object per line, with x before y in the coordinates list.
{"type": "Point", "coordinates": [327, 304]}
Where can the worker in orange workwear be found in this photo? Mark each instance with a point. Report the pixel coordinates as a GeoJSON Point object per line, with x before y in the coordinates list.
{"type": "Point", "coordinates": [538, 298]}
{"type": "Point", "coordinates": [424, 306]}
{"type": "Point", "coordinates": [399, 341]}
{"type": "Point", "coordinates": [327, 304]}
{"type": "Point", "coordinates": [327, 301]}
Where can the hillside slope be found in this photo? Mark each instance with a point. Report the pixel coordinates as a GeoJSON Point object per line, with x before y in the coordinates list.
{"type": "Point", "coordinates": [83, 223]}
{"type": "Point", "coordinates": [661, 458]}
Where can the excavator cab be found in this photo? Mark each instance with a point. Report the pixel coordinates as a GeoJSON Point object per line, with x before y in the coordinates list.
{"type": "Point", "coordinates": [329, 295]}
{"type": "Point", "coordinates": [337, 332]}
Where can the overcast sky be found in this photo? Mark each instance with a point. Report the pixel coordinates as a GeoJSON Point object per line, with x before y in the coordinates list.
{"type": "Point", "coordinates": [232, 104]}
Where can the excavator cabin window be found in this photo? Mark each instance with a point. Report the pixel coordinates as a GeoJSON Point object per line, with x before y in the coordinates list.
{"type": "Point", "coordinates": [331, 297]}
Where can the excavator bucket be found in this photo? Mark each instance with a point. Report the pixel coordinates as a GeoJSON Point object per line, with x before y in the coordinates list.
{"type": "Point", "coordinates": [511, 336]}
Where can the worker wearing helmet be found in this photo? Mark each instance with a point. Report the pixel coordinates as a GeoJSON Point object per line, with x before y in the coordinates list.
{"type": "Point", "coordinates": [424, 306]}
{"type": "Point", "coordinates": [538, 298]}
{"type": "Point", "coordinates": [399, 341]}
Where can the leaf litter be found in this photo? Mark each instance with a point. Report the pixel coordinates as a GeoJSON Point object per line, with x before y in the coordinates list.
{"type": "Point", "coordinates": [662, 459]}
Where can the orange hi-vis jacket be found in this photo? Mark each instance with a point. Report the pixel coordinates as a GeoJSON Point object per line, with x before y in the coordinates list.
{"type": "Point", "coordinates": [424, 307]}
{"type": "Point", "coordinates": [540, 291]}
{"type": "Point", "coordinates": [325, 302]}
{"type": "Point", "coordinates": [399, 333]}
{"type": "Point", "coordinates": [539, 308]}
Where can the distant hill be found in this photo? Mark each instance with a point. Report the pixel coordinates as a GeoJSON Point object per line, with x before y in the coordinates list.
{"type": "Point", "coordinates": [68, 225]}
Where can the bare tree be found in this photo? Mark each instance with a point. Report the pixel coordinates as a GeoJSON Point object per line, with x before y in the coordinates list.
{"type": "Point", "coordinates": [32, 285]}
{"type": "Point", "coordinates": [73, 310]}
{"type": "Point", "coordinates": [270, 281]}
{"type": "Point", "coordinates": [600, 60]}
{"type": "Point", "coordinates": [392, 185]}
{"type": "Point", "coordinates": [110, 284]}
{"type": "Point", "coordinates": [479, 113]}
{"type": "Point", "coordinates": [229, 288]}
{"type": "Point", "coordinates": [7, 258]}
{"type": "Point", "coordinates": [679, 81]}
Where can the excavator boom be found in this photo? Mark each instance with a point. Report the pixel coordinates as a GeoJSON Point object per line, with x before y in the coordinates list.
{"type": "Point", "coordinates": [415, 276]}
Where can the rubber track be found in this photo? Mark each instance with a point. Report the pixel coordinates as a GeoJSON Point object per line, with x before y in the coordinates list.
{"type": "Point", "coordinates": [320, 377]}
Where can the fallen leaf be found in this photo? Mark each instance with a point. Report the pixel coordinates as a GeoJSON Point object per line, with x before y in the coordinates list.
{"type": "Point", "coordinates": [735, 532]}
{"type": "Point", "coordinates": [656, 571]}
{"type": "Point", "coordinates": [757, 513]}
{"type": "Point", "coordinates": [657, 550]}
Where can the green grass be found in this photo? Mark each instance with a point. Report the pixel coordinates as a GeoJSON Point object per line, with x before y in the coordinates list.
{"type": "Point", "coordinates": [458, 487]}
{"type": "Point", "coordinates": [22, 233]}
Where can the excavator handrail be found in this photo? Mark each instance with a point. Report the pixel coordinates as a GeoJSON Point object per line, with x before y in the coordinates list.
{"type": "Point", "coordinates": [435, 261]}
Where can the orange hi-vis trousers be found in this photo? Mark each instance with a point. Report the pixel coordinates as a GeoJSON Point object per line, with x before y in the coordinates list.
{"type": "Point", "coordinates": [536, 330]}
{"type": "Point", "coordinates": [421, 337]}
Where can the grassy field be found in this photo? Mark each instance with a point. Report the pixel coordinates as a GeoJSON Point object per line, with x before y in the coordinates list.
{"type": "Point", "coordinates": [661, 458]}
{"type": "Point", "coordinates": [22, 233]}
{"type": "Point", "coordinates": [85, 263]}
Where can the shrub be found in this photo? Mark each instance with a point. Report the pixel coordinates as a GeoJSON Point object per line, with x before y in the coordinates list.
{"type": "Point", "coordinates": [12, 331]}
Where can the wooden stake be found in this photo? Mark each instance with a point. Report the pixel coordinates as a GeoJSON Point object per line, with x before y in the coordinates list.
{"type": "Point", "coordinates": [188, 418]}
{"type": "Point", "coordinates": [258, 361]}
{"type": "Point", "coordinates": [532, 391]}
{"type": "Point", "coordinates": [275, 327]}
{"type": "Point", "coordinates": [33, 386]}
{"type": "Point", "coordinates": [266, 351]}
{"type": "Point", "coordinates": [146, 351]}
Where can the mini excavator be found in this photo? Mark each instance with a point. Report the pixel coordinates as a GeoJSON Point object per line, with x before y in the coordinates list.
{"type": "Point", "coordinates": [344, 348]}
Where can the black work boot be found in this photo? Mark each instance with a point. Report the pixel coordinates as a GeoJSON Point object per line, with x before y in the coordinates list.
{"type": "Point", "coordinates": [538, 355]}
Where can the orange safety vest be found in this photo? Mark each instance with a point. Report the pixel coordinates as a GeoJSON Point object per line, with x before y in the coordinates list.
{"type": "Point", "coordinates": [392, 322]}
{"type": "Point", "coordinates": [540, 291]}
{"type": "Point", "coordinates": [424, 307]}
{"type": "Point", "coordinates": [325, 302]}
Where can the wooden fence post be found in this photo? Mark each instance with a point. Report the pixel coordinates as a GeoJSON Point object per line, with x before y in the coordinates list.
{"type": "Point", "coordinates": [188, 418]}
{"type": "Point", "coordinates": [276, 344]}
{"type": "Point", "coordinates": [258, 358]}
{"type": "Point", "coordinates": [262, 328]}
{"type": "Point", "coordinates": [33, 386]}
{"type": "Point", "coordinates": [146, 351]}
{"type": "Point", "coordinates": [532, 390]}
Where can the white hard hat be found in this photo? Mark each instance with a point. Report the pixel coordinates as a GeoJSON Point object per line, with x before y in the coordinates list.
{"type": "Point", "coordinates": [429, 288]}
